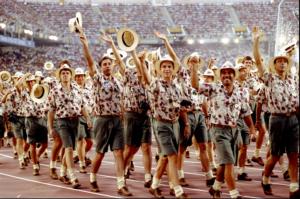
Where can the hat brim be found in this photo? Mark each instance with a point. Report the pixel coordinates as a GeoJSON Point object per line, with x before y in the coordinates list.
{"type": "Point", "coordinates": [121, 40]}
{"type": "Point", "coordinates": [186, 60]}
{"type": "Point", "coordinates": [159, 62]}
{"type": "Point", "coordinates": [45, 93]}
{"type": "Point", "coordinates": [236, 71]}
{"type": "Point", "coordinates": [5, 73]}
{"type": "Point", "coordinates": [57, 72]}
{"type": "Point", "coordinates": [272, 65]}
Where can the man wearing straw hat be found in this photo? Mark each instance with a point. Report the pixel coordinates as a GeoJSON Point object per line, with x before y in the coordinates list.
{"type": "Point", "coordinates": [136, 105]}
{"type": "Point", "coordinates": [84, 142]}
{"type": "Point", "coordinates": [282, 94]}
{"type": "Point", "coordinates": [166, 98]}
{"type": "Point", "coordinates": [228, 103]}
{"type": "Point", "coordinates": [35, 124]}
{"type": "Point", "coordinates": [14, 110]}
{"type": "Point", "coordinates": [107, 128]}
{"type": "Point", "coordinates": [67, 105]}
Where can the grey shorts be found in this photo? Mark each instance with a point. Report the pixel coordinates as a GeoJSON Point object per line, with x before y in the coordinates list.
{"type": "Point", "coordinates": [108, 131]}
{"type": "Point", "coordinates": [136, 129]}
{"type": "Point", "coordinates": [226, 140]}
{"type": "Point", "coordinates": [2, 128]}
{"type": "Point", "coordinates": [244, 131]}
{"type": "Point", "coordinates": [167, 137]}
{"type": "Point", "coordinates": [18, 127]}
{"type": "Point", "coordinates": [83, 130]}
{"type": "Point", "coordinates": [36, 129]}
{"type": "Point", "coordinates": [67, 130]}
{"type": "Point", "coordinates": [284, 134]}
{"type": "Point", "coordinates": [200, 131]}
{"type": "Point", "coordinates": [185, 142]}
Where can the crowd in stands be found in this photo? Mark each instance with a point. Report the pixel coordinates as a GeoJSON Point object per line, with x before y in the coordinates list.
{"type": "Point", "coordinates": [205, 21]}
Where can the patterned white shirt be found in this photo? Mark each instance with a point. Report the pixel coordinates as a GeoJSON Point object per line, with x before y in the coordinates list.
{"type": "Point", "coordinates": [165, 99]}
{"type": "Point", "coordinates": [226, 109]}
{"type": "Point", "coordinates": [282, 95]}
{"type": "Point", "coordinates": [134, 92]}
{"type": "Point", "coordinates": [107, 95]}
{"type": "Point", "coordinates": [65, 103]}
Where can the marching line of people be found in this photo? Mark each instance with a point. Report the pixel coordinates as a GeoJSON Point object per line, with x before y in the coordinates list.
{"type": "Point", "coordinates": [119, 105]}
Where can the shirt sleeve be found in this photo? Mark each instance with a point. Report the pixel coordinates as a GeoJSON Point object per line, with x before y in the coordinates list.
{"type": "Point", "coordinates": [245, 107]}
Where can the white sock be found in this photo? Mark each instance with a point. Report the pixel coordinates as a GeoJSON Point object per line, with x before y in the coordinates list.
{"type": "Point", "coordinates": [81, 163]}
{"type": "Point", "coordinates": [256, 153]}
{"type": "Point", "coordinates": [35, 166]}
{"type": "Point", "coordinates": [155, 183]}
{"type": "Point", "coordinates": [241, 170]}
{"type": "Point", "coordinates": [75, 153]}
{"type": "Point", "coordinates": [213, 165]}
{"type": "Point", "coordinates": [120, 182]}
{"type": "Point", "coordinates": [147, 177]}
{"type": "Point", "coordinates": [180, 174]}
{"type": "Point", "coordinates": [72, 175]}
{"type": "Point", "coordinates": [209, 175]}
{"type": "Point", "coordinates": [294, 186]}
{"type": "Point", "coordinates": [171, 185]}
{"type": "Point", "coordinates": [266, 180]}
{"type": "Point", "coordinates": [282, 167]}
{"type": "Point", "coordinates": [178, 190]}
{"type": "Point", "coordinates": [217, 185]}
{"type": "Point", "coordinates": [63, 170]}
{"type": "Point", "coordinates": [52, 164]}
{"type": "Point", "coordinates": [234, 193]}
{"type": "Point", "coordinates": [93, 177]}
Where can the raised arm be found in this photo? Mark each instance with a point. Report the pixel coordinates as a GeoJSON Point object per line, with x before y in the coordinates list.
{"type": "Point", "coordinates": [137, 62]}
{"type": "Point", "coordinates": [194, 76]}
{"type": "Point", "coordinates": [168, 46]}
{"type": "Point", "coordinates": [86, 52]}
{"type": "Point", "coordinates": [108, 39]}
{"type": "Point", "coordinates": [256, 53]}
{"type": "Point", "coordinates": [21, 81]}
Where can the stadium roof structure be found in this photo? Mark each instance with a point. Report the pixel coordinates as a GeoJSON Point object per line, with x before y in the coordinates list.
{"type": "Point", "coordinates": [153, 2]}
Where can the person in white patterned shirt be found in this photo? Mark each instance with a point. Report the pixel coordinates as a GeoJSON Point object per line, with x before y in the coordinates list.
{"type": "Point", "coordinates": [107, 128]}
{"type": "Point", "coordinates": [228, 104]}
{"type": "Point", "coordinates": [282, 94]}
{"type": "Point", "coordinates": [66, 104]}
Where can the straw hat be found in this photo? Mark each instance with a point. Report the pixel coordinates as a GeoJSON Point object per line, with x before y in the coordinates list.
{"type": "Point", "coordinates": [48, 65]}
{"type": "Point", "coordinates": [122, 53]}
{"type": "Point", "coordinates": [74, 22]}
{"type": "Point", "coordinates": [79, 71]}
{"type": "Point", "coordinates": [38, 74]}
{"type": "Point", "coordinates": [209, 73]}
{"type": "Point", "coordinates": [164, 59]}
{"type": "Point", "coordinates": [39, 92]}
{"type": "Point", "coordinates": [227, 65]}
{"type": "Point", "coordinates": [187, 58]}
{"type": "Point", "coordinates": [5, 76]}
{"type": "Point", "coordinates": [127, 39]}
{"type": "Point", "coordinates": [30, 78]}
{"type": "Point", "coordinates": [273, 60]}
{"type": "Point", "coordinates": [18, 74]}
{"type": "Point", "coordinates": [153, 56]}
{"type": "Point", "coordinates": [64, 67]}
{"type": "Point", "coordinates": [130, 63]}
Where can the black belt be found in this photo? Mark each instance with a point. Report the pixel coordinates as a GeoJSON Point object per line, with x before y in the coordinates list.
{"type": "Point", "coordinates": [284, 114]}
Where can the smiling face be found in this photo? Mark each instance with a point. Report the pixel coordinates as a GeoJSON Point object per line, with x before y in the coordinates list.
{"type": "Point", "coordinates": [79, 79]}
{"type": "Point", "coordinates": [227, 76]}
{"type": "Point", "coordinates": [167, 68]}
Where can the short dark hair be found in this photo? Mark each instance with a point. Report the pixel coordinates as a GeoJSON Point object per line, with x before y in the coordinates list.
{"type": "Point", "coordinates": [102, 59]}
{"type": "Point", "coordinates": [247, 58]}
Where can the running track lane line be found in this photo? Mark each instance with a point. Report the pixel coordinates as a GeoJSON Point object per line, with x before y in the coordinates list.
{"type": "Point", "coordinates": [57, 186]}
{"type": "Point", "coordinates": [106, 176]}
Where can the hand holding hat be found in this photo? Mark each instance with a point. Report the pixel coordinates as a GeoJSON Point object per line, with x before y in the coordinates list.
{"type": "Point", "coordinates": [76, 23]}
